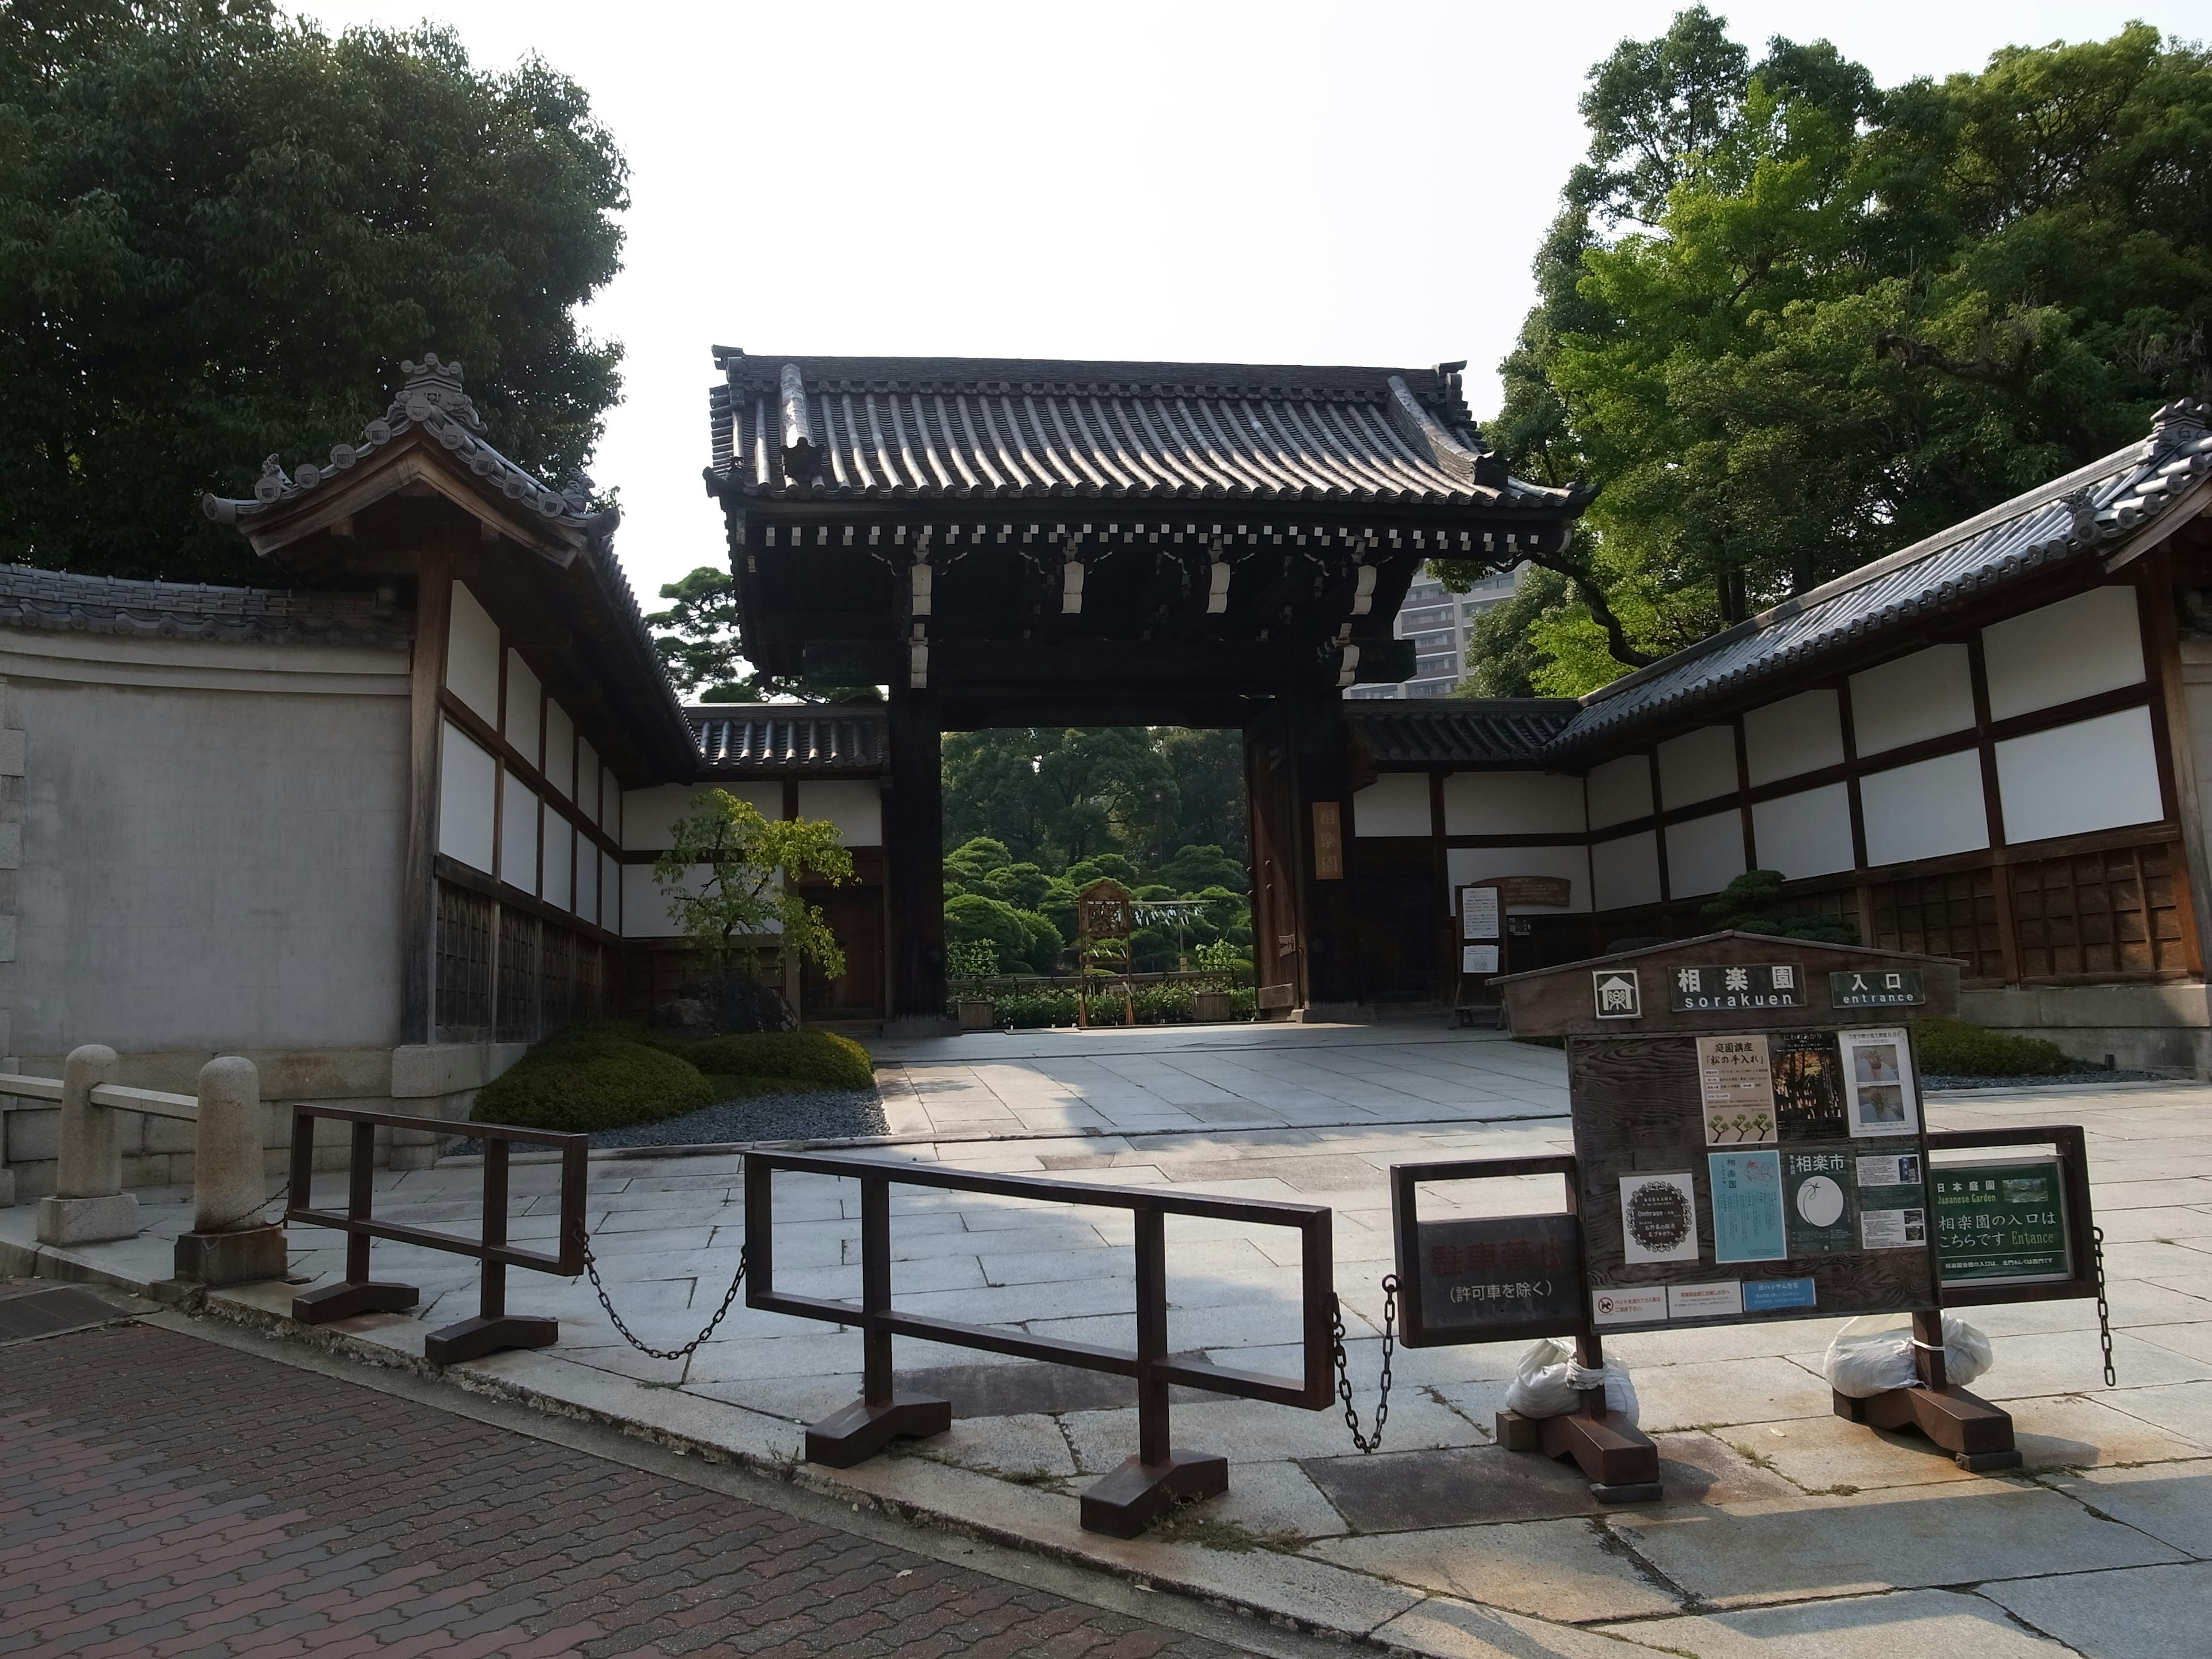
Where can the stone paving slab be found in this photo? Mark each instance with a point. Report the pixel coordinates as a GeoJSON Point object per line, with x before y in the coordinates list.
{"type": "Point", "coordinates": [1774, 1514]}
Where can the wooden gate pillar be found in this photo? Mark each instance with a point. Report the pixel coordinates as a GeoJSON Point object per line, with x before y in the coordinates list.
{"type": "Point", "coordinates": [914, 859]}
{"type": "Point", "coordinates": [1324, 794]}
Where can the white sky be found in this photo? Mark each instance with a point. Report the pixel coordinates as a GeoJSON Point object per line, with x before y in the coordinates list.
{"type": "Point", "coordinates": [1292, 181]}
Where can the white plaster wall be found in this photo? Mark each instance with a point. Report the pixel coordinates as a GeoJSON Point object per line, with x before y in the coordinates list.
{"type": "Point", "coordinates": [518, 834]}
{"type": "Point", "coordinates": [1396, 804]}
{"type": "Point", "coordinates": [649, 815]}
{"type": "Point", "coordinates": [587, 880]}
{"type": "Point", "coordinates": [1620, 790]}
{"type": "Point", "coordinates": [472, 655]}
{"type": "Point", "coordinates": [1463, 865]}
{"type": "Point", "coordinates": [1926, 695]}
{"type": "Point", "coordinates": [523, 697]}
{"type": "Point", "coordinates": [2093, 774]}
{"type": "Point", "coordinates": [560, 749]}
{"type": "Point", "coordinates": [2077, 647]}
{"type": "Point", "coordinates": [1807, 833]}
{"type": "Point", "coordinates": [468, 786]}
{"type": "Point", "coordinates": [560, 859]}
{"type": "Point", "coordinates": [1625, 871]}
{"type": "Point", "coordinates": [1696, 766]}
{"type": "Point", "coordinates": [1925, 810]}
{"type": "Point", "coordinates": [211, 842]}
{"type": "Point", "coordinates": [1704, 854]}
{"type": "Point", "coordinates": [587, 780]}
{"type": "Point", "coordinates": [1512, 804]}
{"type": "Point", "coordinates": [855, 805]}
{"type": "Point", "coordinates": [1799, 734]}
{"type": "Point", "coordinates": [610, 796]}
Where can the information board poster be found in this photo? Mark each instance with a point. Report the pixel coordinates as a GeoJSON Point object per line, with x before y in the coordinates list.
{"type": "Point", "coordinates": [1478, 912]}
{"type": "Point", "coordinates": [1774, 1173]}
{"type": "Point", "coordinates": [2003, 1221]}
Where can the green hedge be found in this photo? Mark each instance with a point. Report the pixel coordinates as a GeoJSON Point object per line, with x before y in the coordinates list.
{"type": "Point", "coordinates": [592, 1079]}
{"type": "Point", "coordinates": [822, 1058]}
{"type": "Point", "coordinates": [1953, 1048]}
{"type": "Point", "coordinates": [1157, 1005]}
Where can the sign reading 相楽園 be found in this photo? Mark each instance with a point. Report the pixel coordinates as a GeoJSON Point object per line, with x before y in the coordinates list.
{"type": "Point", "coordinates": [1726, 988]}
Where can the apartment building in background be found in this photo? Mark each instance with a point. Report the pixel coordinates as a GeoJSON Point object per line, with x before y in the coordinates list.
{"type": "Point", "coordinates": [1438, 623]}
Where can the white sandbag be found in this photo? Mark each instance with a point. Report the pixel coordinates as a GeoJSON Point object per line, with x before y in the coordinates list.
{"type": "Point", "coordinates": [1873, 1355]}
{"type": "Point", "coordinates": [1548, 1383]}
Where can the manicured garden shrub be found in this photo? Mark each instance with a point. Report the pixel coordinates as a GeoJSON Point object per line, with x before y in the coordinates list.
{"type": "Point", "coordinates": [1953, 1048]}
{"type": "Point", "coordinates": [591, 1077]}
{"type": "Point", "coordinates": [820, 1058]}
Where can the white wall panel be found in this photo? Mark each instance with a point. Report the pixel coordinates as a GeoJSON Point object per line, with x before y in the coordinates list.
{"type": "Point", "coordinates": [587, 780]}
{"type": "Point", "coordinates": [524, 697]}
{"type": "Point", "coordinates": [472, 655]}
{"type": "Point", "coordinates": [2077, 647]}
{"type": "Point", "coordinates": [1512, 804]}
{"type": "Point", "coordinates": [1799, 734]}
{"type": "Point", "coordinates": [1463, 865]}
{"type": "Point", "coordinates": [1804, 834]}
{"type": "Point", "coordinates": [1620, 790]}
{"type": "Point", "coordinates": [1396, 804]}
{"type": "Point", "coordinates": [1926, 695]}
{"type": "Point", "coordinates": [645, 910]}
{"type": "Point", "coordinates": [1925, 810]}
{"type": "Point", "coordinates": [2093, 774]}
{"type": "Point", "coordinates": [1697, 766]}
{"type": "Point", "coordinates": [560, 750]}
{"type": "Point", "coordinates": [609, 803]}
{"type": "Point", "coordinates": [468, 785]}
{"type": "Point", "coordinates": [588, 878]}
{"type": "Point", "coordinates": [1625, 871]}
{"type": "Point", "coordinates": [518, 834]}
{"type": "Point", "coordinates": [560, 859]}
{"type": "Point", "coordinates": [1704, 854]}
{"type": "Point", "coordinates": [855, 805]}
{"type": "Point", "coordinates": [648, 814]}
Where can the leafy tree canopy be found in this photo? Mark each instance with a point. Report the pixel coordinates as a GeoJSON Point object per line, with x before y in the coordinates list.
{"type": "Point", "coordinates": [726, 878]}
{"type": "Point", "coordinates": [1790, 321]}
{"type": "Point", "coordinates": [221, 229]}
{"type": "Point", "coordinates": [1054, 796]}
{"type": "Point", "coordinates": [700, 650]}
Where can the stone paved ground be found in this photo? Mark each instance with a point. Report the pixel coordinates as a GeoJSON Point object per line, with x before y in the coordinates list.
{"type": "Point", "coordinates": [168, 1498]}
{"type": "Point", "coordinates": [1785, 1529]}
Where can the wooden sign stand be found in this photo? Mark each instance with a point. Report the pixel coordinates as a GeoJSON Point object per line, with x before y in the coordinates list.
{"type": "Point", "coordinates": [1978, 1434]}
{"type": "Point", "coordinates": [1622, 1461]}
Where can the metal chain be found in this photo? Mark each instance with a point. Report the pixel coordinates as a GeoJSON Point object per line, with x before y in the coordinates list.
{"type": "Point", "coordinates": [1366, 1443]}
{"type": "Point", "coordinates": [2104, 1313]}
{"type": "Point", "coordinates": [591, 1266]}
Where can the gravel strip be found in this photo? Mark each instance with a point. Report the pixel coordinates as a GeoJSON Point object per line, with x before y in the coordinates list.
{"type": "Point", "coordinates": [1932, 1084]}
{"type": "Point", "coordinates": [825, 1115]}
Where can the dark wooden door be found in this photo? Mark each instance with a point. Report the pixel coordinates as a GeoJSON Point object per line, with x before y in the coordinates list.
{"type": "Point", "coordinates": [1397, 911]}
{"type": "Point", "coordinates": [855, 915]}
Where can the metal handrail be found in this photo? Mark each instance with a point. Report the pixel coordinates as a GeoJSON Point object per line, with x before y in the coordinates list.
{"type": "Point", "coordinates": [493, 1327]}
{"type": "Point", "coordinates": [1126, 1500]}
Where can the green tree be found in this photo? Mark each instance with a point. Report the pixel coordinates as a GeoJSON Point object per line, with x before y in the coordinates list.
{"type": "Point", "coordinates": [1788, 321]}
{"type": "Point", "coordinates": [701, 652]}
{"type": "Point", "coordinates": [726, 877]}
{"type": "Point", "coordinates": [1056, 795]}
{"type": "Point", "coordinates": [221, 229]}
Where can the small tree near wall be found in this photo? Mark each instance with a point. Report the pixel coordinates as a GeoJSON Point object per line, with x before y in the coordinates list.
{"type": "Point", "coordinates": [727, 874]}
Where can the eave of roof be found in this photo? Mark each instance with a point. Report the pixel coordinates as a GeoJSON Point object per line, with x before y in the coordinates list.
{"type": "Point", "coordinates": [64, 601]}
{"type": "Point", "coordinates": [804, 429]}
{"type": "Point", "coordinates": [734, 740]}
{"type": "Point", "coordinates": [2088, 513]}
{"type": "Point", "coordinates": [1416, 734]}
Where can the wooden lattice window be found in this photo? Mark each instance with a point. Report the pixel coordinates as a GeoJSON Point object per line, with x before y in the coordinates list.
{"type": "Point", "coordinates": [463, 991]}
{"type": "Point", "coordinates": [518, 978]}
{"type": "Point", "coordinates": [557, 988]}
{"type": "Point", "coordinates": [1953, 915]}
{"type": "Point", "coordinates": [2099, 915]}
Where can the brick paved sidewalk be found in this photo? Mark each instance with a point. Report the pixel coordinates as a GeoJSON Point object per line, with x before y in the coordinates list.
{"type": "Point", "coordinates": [164, 1497]}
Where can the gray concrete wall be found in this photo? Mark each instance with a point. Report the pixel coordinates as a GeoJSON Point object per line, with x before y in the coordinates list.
{"type": "Point", "coordinates": [210, 845]}
{"type": "Point", "coordinates": [2160, 1027]}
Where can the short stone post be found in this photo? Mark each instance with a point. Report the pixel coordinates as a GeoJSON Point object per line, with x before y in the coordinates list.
{"type": "Point", "coordinates": [89, 1204]}
{"type": "Point", "coordinates": [229, 1244]}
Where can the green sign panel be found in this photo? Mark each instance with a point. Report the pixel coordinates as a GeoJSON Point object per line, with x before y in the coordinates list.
{"type": "Point", "coordinates": [2003, 1222]}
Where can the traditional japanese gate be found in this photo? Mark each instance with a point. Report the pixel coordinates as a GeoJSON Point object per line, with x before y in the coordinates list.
{"type": "Point", "coordinates": [1017, 543]}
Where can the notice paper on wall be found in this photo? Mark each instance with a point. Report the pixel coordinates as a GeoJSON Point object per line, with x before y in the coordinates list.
{"type": "Point", "coordinates": [1478, 912]}
{"type": "Point", "coordinates": [1735, 1089]}
{"type": "Point", "coordinates": [1892, 1229]}
{"type": "Point", "coordinates": [1658, 1218]}
{"type": "Point", "coordinates": [1747, 1219]}
{"type": "Point", "coordinates": [1478, 958]}
{"type": "Point", "coordinates": [1878, 1082]}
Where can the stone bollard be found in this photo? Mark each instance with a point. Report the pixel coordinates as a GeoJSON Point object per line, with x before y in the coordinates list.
{"type": "Point", "coordinates": [89, 1204]}
{"type": "Point", "coordinates": [228, 1244]}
